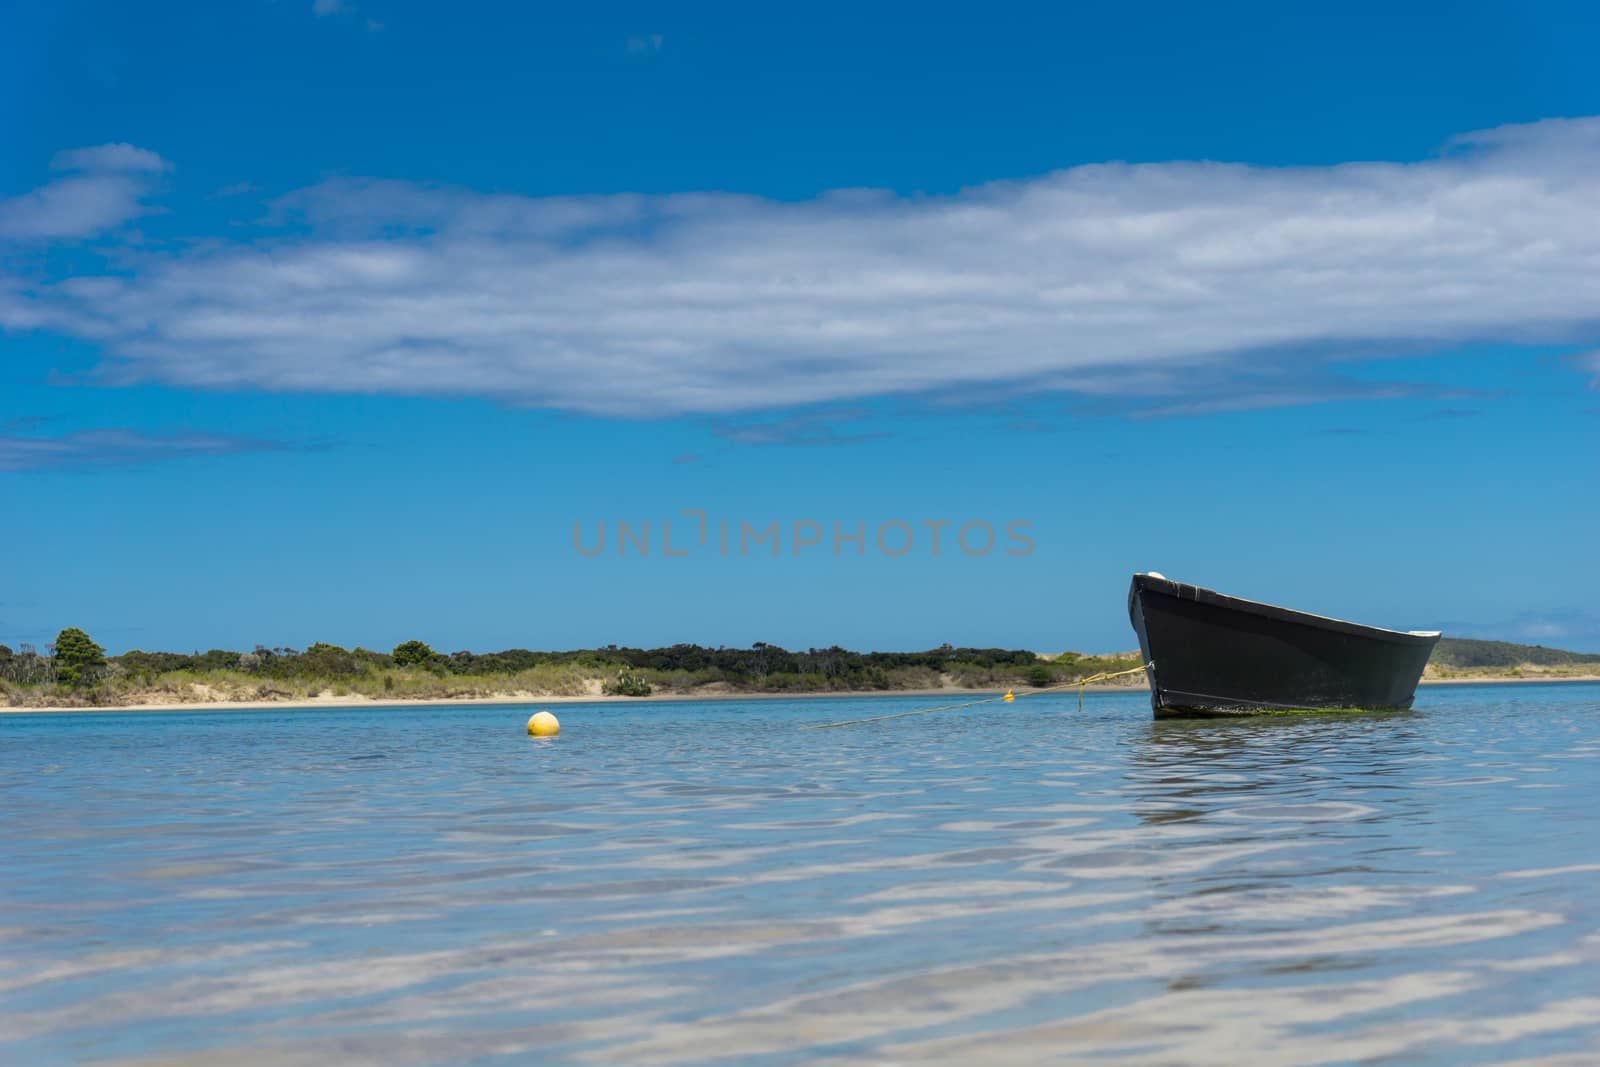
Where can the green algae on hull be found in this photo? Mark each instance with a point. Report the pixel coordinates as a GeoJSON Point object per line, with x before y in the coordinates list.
{"type": "Point", "coordinates": [1252, 713]}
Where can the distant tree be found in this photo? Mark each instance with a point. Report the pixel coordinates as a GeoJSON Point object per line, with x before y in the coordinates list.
{"type": "Point", "coordinates": [79, 661]}
{"type": "Point", "coordinates": [323, 659]}
{"type": "Point", "coordinates": [217, 659]}
{"type": "Point", "coordinates": [27, 667]}
{"type": "Point", "coordinates": [412, 654]}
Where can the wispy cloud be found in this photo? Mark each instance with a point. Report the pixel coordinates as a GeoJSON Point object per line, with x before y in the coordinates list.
{"type": "Point", "coordinates": [645, 44]}
{"type": "Point", "coordinates": [1031, 425]}
{"type": "Point", "coordinates": [805, 429]}
{"type": "Point", "coordinates": [1109, 281]}
{"type": "Point", "coordinates": [1292, 379]}
{"type": "Point", "coordinates": [1574, 630]}
{"type": "Point", "coordinates": [110, 158]}
{"type": "Point", "coordinates": [104, 187]}
{"type": "Point", "coordinates": [116, 447]}
{"type": "Point", "coordinates": [1254, 395]}
{"type": "Point", "coordinates": [22, 422]}
{"type": "Point", "coordinates": [1589, 362]}
{"type": "Point", "coordinates": [72, 207]}
{"type": "Point", "coordinates": [327, 8]}
{"type": "Point", "coordinates": [236, 189]}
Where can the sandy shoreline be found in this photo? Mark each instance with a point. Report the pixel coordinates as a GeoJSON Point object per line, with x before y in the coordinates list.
{"type": "Point", "coordinates": [351, 703]}
{"type": "Point", "coordinates": [529, 699]}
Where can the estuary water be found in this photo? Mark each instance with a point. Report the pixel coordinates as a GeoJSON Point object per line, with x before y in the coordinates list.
{"type": "Point", "coordinates": [706, 883]}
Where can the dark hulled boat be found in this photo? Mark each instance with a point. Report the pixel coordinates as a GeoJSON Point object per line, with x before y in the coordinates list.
{"type": "Point", "coordinates": [1220, 655]}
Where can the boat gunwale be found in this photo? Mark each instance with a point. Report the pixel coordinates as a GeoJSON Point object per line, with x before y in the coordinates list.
{"type": "Point", "coordinates": [1199, 594]}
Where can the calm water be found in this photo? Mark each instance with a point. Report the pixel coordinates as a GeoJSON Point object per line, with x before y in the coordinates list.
{"type": "Point", "coordinates": [693, 883]}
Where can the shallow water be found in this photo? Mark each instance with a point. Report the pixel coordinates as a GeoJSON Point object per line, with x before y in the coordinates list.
{"type": "Point", "coordinates": [689, 883]}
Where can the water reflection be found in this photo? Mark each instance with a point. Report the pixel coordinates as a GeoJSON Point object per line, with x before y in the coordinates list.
{"type": "Point", "coordinates": [1035, 885]}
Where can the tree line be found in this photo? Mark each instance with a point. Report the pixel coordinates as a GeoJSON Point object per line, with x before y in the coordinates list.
{"type": "Point", "coordinates": [76, 661]}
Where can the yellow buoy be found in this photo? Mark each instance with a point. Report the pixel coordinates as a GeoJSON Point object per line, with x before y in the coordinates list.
{"type": "Point", "coordinates": [1009, 697]}
{"type": "Point", "coordinates": [543, 724]}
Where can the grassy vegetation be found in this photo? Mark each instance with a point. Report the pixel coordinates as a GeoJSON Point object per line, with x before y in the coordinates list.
{"type": "Point", "coordinates": [415, 672]}
{"type": "Point", "coordinates": [1460, 653]}
{"type": "Point", "coordinates": [1257, 713]}
{"type": "Point", "coordinates": [74, 673]}
{"type": "Point", "coordinates": [1463, 659]}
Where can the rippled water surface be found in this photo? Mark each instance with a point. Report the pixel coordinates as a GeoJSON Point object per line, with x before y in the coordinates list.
{"type": "Point", "coordinates": [693, 883]}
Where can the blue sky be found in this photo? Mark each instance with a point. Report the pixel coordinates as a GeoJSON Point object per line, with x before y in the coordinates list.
{"type": "Point", "coordinates": [327, 321]}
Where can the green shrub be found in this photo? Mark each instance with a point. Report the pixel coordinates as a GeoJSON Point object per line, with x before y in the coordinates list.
{"type": "Point", "coordinates": [627, 684]}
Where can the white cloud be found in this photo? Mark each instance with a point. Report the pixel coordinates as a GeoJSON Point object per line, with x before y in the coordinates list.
{"type": "Point", "coordinates": [107, 189]}
{"type": "Point", "coordinates": [323, 8]}
{"type": "Point", "coordinates": [110, 157]}
{"type": "Point", "coordinates": [1106, 279]}
{"type": "Point", "coordinates": [1572, 630]}
{"type": "Point", "coordinates": [71, 207]}
{"type": "Point", "coordinates": [115, 447]}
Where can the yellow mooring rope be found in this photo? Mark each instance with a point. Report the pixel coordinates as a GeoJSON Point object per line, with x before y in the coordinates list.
{"type": "Point", "coordinates": [1008, 698]}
